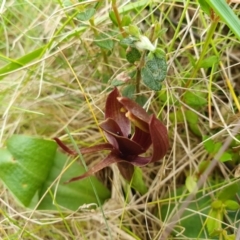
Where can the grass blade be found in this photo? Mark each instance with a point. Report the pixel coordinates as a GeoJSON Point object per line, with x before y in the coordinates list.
{"type": "Point", "coordinates": [226, 14]}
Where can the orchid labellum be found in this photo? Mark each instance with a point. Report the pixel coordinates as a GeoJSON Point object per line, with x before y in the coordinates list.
{"type": "Point", "coordinates": [125, 147]}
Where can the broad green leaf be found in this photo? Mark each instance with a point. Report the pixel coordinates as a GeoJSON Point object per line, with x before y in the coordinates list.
{"type": "Point", "coordinates": [137, 181]}
{"type": "Point", "coordinates": [21, 62]}
{"type": "Point", "coordinates": [86, 14]}
{"type": "Point", "coordinates": [154, 71]}
{"type": "Point", "coordinates": [71, 195]}
{"type": "Point", "coordinates": [104, 41]}
{"type": "Point", "coordinates": [25, 165]}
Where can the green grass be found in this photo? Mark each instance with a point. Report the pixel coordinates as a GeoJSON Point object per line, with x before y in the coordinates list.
{"type": "Point", "coordinates": [55, 73]}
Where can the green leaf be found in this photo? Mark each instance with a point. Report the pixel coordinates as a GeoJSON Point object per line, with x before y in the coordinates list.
{"type": "Point", "coordinates": [141, 100]}
{"type": "Point", "coordinates": [154, 71]}
{"type": "Point", "coordinates": [104, 41]}
{"type": "Point", "coordinates": [226, 14]}
{"type": "Point", "coordinates": [225, 157]}
{"type": "Point", "coordinates": [191, 117]}
{"type": "Point", "coordinates": [25, 165]}
{"type": "Point", "coordinates": [203, 166]}
{"type": "Point", "coordinates": [126, 20]}
{"type": "Point", "coordinates": [212, 148]}
{"type": "Point", "coordinates": [190, 225]}
{"type": "Point", "coordinates": [137, 181]}
{"type": "Point", "coordinates": [229, 192]}
{"type": "Point", "coordinates": [209, 62]}
{"type": "Point", "coordinates": [204, 6]}
{"type": "Point", "coordinates": [134, 31]}
{"type": "Point", "coordinates": [214, 222]}
{"type": "Point", "coordinates": [128, 91]}
{"type": "Point", "coordinates": [113, 18]}
{"type": "Point", "coordinates": [230, 237]}
{"type": "Point", "coordinates": [128, 41]}
{"type": "Point", "coordinates": [71, 195]}
{"type": "Point", "coordinates": [132, 55]}
{"type": "Point", "coordinates": [195, 99]}
{"type": "Point", "coordinates": [86, 14]}
{"type": "Point", "coordinates": [232, 205]}
{"type": "Point", "coordinates": [116, 82]}
{"type": "Point", "coordinates": [195, 129]}
{"type": "Point", "coordinates": [216, 204]}
{"type": "Point", "coordinates": [21, 62]}
{"type": "Point", "coordinates": [191, 183]}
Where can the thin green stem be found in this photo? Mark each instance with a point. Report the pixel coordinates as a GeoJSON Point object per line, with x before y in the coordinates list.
{"type": "Point", "coordinates": [203, 53]}
{"type": "Point", "coordinates": [118, 18]}
{"type": "Point", "coordinates": [93, 187]}
{"type": "Point", "coordinates": [178, 26]}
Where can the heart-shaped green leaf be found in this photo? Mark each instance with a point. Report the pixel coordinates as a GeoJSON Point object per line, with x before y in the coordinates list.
{"type": "Point", "coordinates": [74, 194]}
{"type": "Point", "coordinates": [154, 71]}
{"type": "Point", "coordinates": [25, 165]}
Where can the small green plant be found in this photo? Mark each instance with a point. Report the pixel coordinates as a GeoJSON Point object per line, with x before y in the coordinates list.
{"type": "Point", "coordinates": [29, 166]}
{"type": "Point", "coordinates": [128, 83]}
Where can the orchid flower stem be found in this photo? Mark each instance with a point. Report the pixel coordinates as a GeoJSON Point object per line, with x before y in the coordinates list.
{"type": "Point", "coordinates": [94, 189]}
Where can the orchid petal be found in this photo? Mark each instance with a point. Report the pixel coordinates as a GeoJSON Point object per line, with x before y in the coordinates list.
{"type": "Point", "coordinates": [140, 161]}
{"type": "Point", "coordinates": [135, 113]}
{"type": "Point", "coordinates": [96, 148]}
{"type": "Point", "coordinates": [125, 145]}
{"type": "Point", "coordinates": [159, 137]}
{"type": "Point", "coordinates": [64, 147]}
{"type": "Point", "coordinates": [110, 126]}
{"type": "Point", "coordinates": [110, 159]}
{"type": "Point", "coordinates": [113, 109]}
{"type": "Point", "coordinates": [142, 138]}
{"type": "Point", "coordinates": [126, 169]}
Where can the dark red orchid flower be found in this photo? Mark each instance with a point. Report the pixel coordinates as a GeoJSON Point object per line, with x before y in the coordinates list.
{"type": "Point", "coordinates": [126, 148]}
